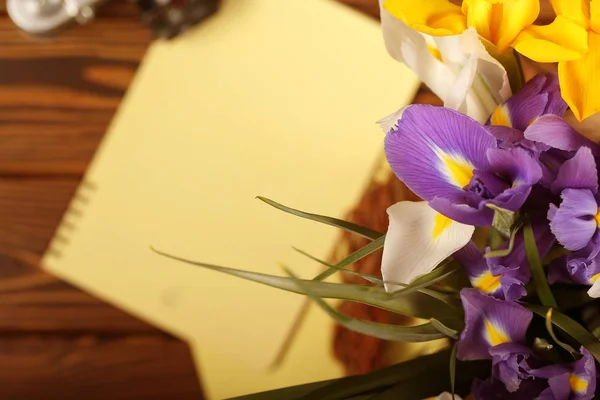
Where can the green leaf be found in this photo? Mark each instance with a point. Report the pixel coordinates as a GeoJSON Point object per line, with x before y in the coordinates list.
{"type": "Point", "coordinates": [338, 223]}
{"type": "Point", "coordinates": [453, 369]}
{"type": "Point", "coordinates": [375, 280]}
{"type": "Point", "coordinates": [537, 270]}
{"type": "Point", "coordinates": [571, 327]}
{"type": "Point", "coordinates": [437, 324]}
{"type": "Point", "coordinates": [352, 258]}
{"type": "Point", "coordinates": [450, 301]}
{"type": "Point", "coordinates": [415, 379]}
{"type": "Point", "coordinates": [419, 333]}
{"type": "Point", "coordinates": [415, 305]}
{"type": "Point", "coordinates": [438, 274]}
{"type": "Point", "coordinates": [288, 393]}
{"type": "Point", "coordinates": [562, 344]}
{"type": "Point", "coordinates": [511, 245]}
{"type": "Point", "coordinates": [511, 63]}
{"type": "Point", "coordinates": [504, 220]}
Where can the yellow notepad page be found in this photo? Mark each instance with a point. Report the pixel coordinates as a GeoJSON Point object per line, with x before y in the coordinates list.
{"type": "Point", "coordinates": [277, 98]}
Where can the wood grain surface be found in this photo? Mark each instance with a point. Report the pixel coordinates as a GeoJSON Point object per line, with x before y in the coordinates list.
{"type": "Point", "coordinates": [57, 97]}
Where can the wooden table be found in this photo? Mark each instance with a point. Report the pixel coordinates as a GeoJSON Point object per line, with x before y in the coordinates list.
{"type": "Point", "coordinates": [57, 98]}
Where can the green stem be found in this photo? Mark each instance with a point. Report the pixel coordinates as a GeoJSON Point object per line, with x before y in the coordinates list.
{"type": "Point", "coordinates": [537, 270]}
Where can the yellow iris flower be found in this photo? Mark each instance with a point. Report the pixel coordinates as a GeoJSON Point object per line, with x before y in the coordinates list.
{"type": "Point", "coordinates": [498, 21]}
{"type": "Point", "coordinates": [572, 40]}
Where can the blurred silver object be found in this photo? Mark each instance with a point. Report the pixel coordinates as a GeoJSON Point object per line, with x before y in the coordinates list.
{"type": "Point", "coordinates": [45, 16]}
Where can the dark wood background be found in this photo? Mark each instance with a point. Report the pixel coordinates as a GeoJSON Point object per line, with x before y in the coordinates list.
{"type": "Point", "coordinates": [57, 97]}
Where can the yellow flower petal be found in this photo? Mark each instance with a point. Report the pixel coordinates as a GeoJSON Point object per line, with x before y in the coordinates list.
{"type": "Point", "coordinates": [580, 81]}
{"type": "Point", "coordinates": [562, 40]}
{"type": "Point", "coordinates": [501, 21]}
{"type": "Point", "coordinates": [576, 10]}
{"type": "Point", "coordinates": [595, 16]}
{"type": "Point", "coordinates": [433, 17]}
{"type": "Point", "coordinates": [479, 14]}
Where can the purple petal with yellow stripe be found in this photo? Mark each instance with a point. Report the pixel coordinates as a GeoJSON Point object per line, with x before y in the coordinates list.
{"type": "Point", "coordinates": [476, 268]}
{"type": "Point", "coordinates": [489, 322]}
{"type": "Point", "coordinates": [434, 151]}
{"type": "Point", "coordinates": [575, 381]}
{"type": "Point", "coordinates": [451, 161]}
{"type": "Point", "coordinates": [507, 184]}
{"type": "Point", "coordinates": [504, 277]}
{"type": "Point", "coordinates": [583, 378]}
{"type": "Point", "coordinates": [539, 96]}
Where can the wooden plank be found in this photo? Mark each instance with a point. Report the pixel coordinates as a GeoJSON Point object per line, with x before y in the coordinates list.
{"type": "Point", "coordinates": [30, 210]}
{"type": "Point", "coordinates": [93, 367]}
{"type": "Point", "coordinates": [34, 301]}
{"type": "Point", "coordinates": [63, 91]}
{"type": "Point", "coordinates": [369, 7]}
{"type": "Point", "coordinates": [105, 39]}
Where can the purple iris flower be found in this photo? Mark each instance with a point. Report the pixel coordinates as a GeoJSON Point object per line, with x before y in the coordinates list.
{"type": "Point", "coordinates": [453, 163]}
{"type": "Point", "coordinates": [540, 96]}
{"type": "Point", "coordinates": [494, 389]}
{"type": "Point", "coordinates": [502, 280]}
{"type": "Point", "coordinates": [512, 363]}
{"type": "Point", "coordinates": [532, 118]}
{"type": "Point", "coordinates": [576, 221]}
{"type": "Point", "coordinates": [495, 329]}
{"type": "Point", "coordinates": [504, 277]}
{"type": "Point", "coordinates": [489, 322]}
{"type": "Point", "coordinates": [576, 267]}
{"type": "Point", "coordinates": [575, 381]}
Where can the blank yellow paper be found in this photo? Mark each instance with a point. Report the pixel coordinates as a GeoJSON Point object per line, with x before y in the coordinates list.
{"type": "Point", "coordinates": [277, 98]}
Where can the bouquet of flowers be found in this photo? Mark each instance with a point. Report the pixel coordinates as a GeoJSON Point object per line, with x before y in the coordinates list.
{"type": "Point", "coordinates": [502, 256]}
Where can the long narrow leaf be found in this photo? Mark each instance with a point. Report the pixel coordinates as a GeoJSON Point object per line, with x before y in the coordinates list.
{"type": "Point", "coordinates": [453, 370]}
{"type": "Point", "coordinates": [446, 330]}
{"type": "Point", "coordinates": [571, 327]}
{"type": "Point", "coordinates": [354, 257]}
{"type": "Point", "coordinates": [420, 378]}
{"type": "Point", "coordinates": [419, 333]}
{"type": "Point", "coordinates": [511, 63]}
{"type": "Point", "coordinates": [559, 342]}
{"type": "Point", "coordinates": [415, 305]}
{"type": "Point", "coordinates": [537, 270]}
{"type": "Point", "coordinates": [369, 278]}
{"type": "Point", "coordinates": [338, 223]}
{"type": "Point", "coordinates": [429, 279]}
{"type": "Point", "coordinates": [449, 300]}
{"type": "Point", "coordinates": [378, 380]}
{"type": "Point", "coordinates": [509, 249]}
{"type": "Point", "coordinates": [288, 393]}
